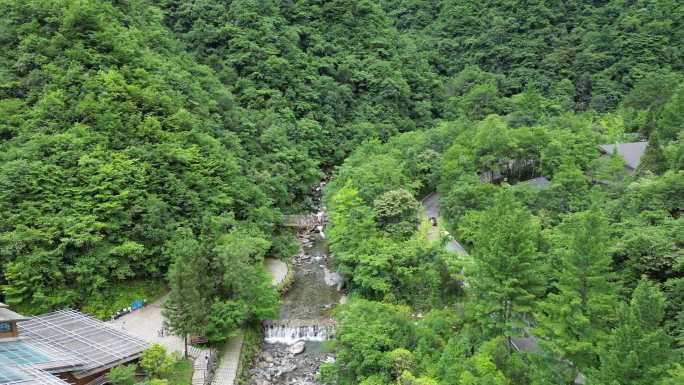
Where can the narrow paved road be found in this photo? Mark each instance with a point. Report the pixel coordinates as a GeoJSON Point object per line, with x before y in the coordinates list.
{"type": "Point", "coordinates": [431, 209]}
{"type": "Point", "coordinates": [430, 206]}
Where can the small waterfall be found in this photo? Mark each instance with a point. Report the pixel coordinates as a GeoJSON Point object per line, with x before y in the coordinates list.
{"type": "Point", "coordinates": [320, 219]}
{"type": "Point", "coordinates": [290, 331]}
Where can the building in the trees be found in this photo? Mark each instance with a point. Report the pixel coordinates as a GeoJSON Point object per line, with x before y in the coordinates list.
{"type": "Point", "coordinates": [60, 348]}
{"type": "Point", "coordinates": [8, 322]}
{"type": "Point", "coordinates": [528, 344]}
{"type": "Point", "coordinates": [539, 182]}
{"type": "Point", "coordinates": [630, 152]}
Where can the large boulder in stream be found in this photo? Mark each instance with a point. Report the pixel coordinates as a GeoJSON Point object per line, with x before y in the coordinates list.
{"type": "Point", "coordinates": [332, 278]}
{"type": "Point", "coordinates": [277, 269]}
{"type": "Point", "coordinates": [297, 347]}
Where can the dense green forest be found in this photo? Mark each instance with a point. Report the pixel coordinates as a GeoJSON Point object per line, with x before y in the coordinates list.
{"type": "Point", "coordinates": [159, 143]}
{"type": "Point", "coordinates": [575, 264]}
{"type": "Point", "coordinates": [589, 268]}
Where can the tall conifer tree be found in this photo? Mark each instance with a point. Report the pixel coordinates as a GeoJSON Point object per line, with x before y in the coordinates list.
{"type": "Point", "coordinates": [507, 275]}
{"type": "Point", "coordinates": [576, 317]}
{"type": "Point", "coordinates": [639, 350]}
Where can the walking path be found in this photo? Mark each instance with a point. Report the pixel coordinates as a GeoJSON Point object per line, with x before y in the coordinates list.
{"type": "Point", "coordinates": [230, 363]}
{"type": "Point", "coordinates": [146, 323]}
{"type": "Point", "coordinates": [200, 367]}
{"type": "Point", "coordinates": [430, 205]}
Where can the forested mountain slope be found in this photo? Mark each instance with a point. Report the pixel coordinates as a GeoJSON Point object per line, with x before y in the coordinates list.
{"type": "Point", "coordinates": [147, 141]}
{"type": "Point", "coordinates": [552, 268]}
{"type": "Point", "coordinates": [586, 53]}
{"type": "Point", "coordinates": [331, 73]}
{"type": "Point", "coordinates": [574, 280]}
{"type": "Point", "coordinates": [113, 140]}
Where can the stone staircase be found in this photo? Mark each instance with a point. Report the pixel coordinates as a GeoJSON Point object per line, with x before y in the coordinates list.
{"type": "Point", "coordinates": [194, 351]}
{"type": "Point", "coordinates": [203, 359]}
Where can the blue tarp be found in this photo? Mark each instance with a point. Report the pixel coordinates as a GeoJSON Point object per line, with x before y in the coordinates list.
{"type": "Point", "coordinates": [137, 304]}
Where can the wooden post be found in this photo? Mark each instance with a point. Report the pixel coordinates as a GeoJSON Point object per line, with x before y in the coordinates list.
{"type": "Point", "coordinates": [186, 345]}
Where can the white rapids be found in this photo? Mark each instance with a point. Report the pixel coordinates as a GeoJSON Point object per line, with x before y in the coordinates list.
{"type": "Point", "coordinates": [292, 331]}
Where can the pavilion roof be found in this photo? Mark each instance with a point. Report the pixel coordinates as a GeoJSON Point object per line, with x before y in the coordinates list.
{"type": "Point", "coordinates": [96, 344]}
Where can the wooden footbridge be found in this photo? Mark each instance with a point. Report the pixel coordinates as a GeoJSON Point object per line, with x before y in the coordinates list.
{"type": "Point", "coordinates": [310, 221]}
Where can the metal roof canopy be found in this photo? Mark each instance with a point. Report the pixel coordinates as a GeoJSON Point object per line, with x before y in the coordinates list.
{"type": "Point", "coordinates": [51, 359]}
{"type": "Point", "coordinates": [98, 345]}
{"type": "Point", "coordinates": [9, 375]}
{"type": "Point", "coordinates": [20, 353]}
{"type": "Point", "coordinates": [27, 375]}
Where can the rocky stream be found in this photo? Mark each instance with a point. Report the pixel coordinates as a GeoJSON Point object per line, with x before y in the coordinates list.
{"type": "Point", "coordinates": [294, 345]}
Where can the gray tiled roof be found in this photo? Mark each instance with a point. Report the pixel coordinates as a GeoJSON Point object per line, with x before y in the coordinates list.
{"type": "Point", "coordinates": [525, 344]}
{"type": "Point", "coordinates": [539, 182]}
{"type": "Point", "coordinates": [631, 152]}
{"type": "Point", "coordinates": [529, 345]}
{"type": "Point", "coordinates": [8, 315]}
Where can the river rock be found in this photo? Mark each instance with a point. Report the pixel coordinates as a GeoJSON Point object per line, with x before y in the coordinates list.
{"type": "Point", "coordinates": [297, 347]}
{"type": "Point", "coordinates": [267, 357]}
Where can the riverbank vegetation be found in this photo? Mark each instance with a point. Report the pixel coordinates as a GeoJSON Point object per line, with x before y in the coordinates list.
{"type": "Point", "coordinates": [163, 141]}
{"type": "Point", "coordinates": [251, 346]}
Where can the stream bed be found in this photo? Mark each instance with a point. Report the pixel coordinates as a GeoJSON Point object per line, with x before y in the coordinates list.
{"type": "Point", "coordinates": [304, 320]}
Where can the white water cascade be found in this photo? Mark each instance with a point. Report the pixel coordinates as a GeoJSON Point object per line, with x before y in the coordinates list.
{"type": "Point", "coordinates": [291, 331]}
{"type": "Point", "coordinates": [321, 219]}
{"type": "Point", "coordinates": [319, 230]}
